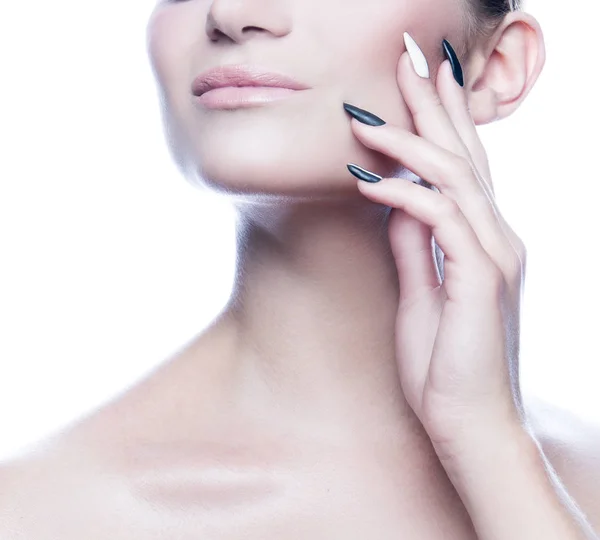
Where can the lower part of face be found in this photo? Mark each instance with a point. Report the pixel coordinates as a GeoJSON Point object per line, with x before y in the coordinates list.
{"type": "Point", "coordinates": [345, 50]}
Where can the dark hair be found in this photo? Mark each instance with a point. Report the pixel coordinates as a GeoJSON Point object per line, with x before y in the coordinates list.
{"type": "Point", "coordinates": [483, 16]}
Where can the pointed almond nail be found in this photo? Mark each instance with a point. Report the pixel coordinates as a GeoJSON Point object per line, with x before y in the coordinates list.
{"type": "Point", "coordinates": [416, 55]}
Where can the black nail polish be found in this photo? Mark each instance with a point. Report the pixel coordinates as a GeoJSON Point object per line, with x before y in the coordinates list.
{"type": "Point", "coordinates": [453, 59]}
{"type": "Point", "coordinates": [363, 116]}
{"type": "Point", "coordinates": [363, 174]}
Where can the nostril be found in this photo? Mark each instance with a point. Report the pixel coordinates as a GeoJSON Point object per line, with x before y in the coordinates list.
{"type": "Point", "coordinates": [216, 34]}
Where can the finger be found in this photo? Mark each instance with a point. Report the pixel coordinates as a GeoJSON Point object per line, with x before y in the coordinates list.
{"type": "Point", "coordinates": [470, 271]}
{"type": "Point", "coordinates": [411, 243]}
{"type": "Point", "coordinates": [453, 175]}
{"type": "Point", "coordinates": [429, 115]}
{"type": "Point", "coordinates": [455, 102]}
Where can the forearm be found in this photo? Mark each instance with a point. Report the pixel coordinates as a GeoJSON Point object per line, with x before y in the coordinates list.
{"type": "Point", "coordinates": [511, 491]}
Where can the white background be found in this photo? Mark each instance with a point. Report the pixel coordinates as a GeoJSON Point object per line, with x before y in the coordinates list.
{"type": "Point", "coordinates": [110, 261]}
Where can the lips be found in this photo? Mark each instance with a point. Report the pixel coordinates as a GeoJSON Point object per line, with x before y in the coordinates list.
{"type": "Point", "coordinates": [242, 75]}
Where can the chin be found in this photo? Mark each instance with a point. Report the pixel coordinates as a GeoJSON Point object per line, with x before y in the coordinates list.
{"type": "Point", "coordinates": [252, 153]}
{"type": "Point", "coordinates": [243, 163]}
{"type": "Point", "coordinates": [264, 174]}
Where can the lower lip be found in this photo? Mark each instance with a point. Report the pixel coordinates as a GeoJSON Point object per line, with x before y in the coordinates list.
{"type": "Point", "coordinates": [233, 97]}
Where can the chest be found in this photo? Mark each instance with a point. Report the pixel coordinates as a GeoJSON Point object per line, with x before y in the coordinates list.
{"type": "Point", "coordinates": [238, 492]}
{"type": "Point", "coordinates": [322, 500]}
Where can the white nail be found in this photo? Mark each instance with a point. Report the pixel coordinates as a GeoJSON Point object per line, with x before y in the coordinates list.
{"type": "Point", "coordinates": [416, 55]}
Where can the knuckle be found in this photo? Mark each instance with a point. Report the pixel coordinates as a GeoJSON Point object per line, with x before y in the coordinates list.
{"type": "Point", "coordinates": [515, 241]}
{"type": "Point", "coordinates": [495, 280]}
{"type": "Point", "coordinates": [452, 170]}
{"type": "Point", "coordinates": [513, 269]}
{"type": "Point", "coordinates": [488, 283]}
{"type": "Point", "coordinates": [521, 249]}
{"type": "Point", "coordinates": [461, 166]}
{"type": "Point", "coordinates": [449, 209]}
{"type": "Point", "coordinates": [518, 264]}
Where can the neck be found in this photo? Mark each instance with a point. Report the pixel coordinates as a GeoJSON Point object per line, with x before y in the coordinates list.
{"type": "Point", "coordinates": [314, 303]}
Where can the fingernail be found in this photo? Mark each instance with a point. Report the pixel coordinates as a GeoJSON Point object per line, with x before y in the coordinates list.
{"type": "Point", "coordinates": [453, 59]}
{"type": "Point", "coordinates": [363, 116]}
{"type": "Point", "coordinates": [363, 174]}
{"type": "Point", "coordinates": [419, 61]}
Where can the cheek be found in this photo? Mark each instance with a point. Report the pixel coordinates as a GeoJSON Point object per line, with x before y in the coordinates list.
{"type": "Point", "coordinates": [370, 42]}
{"type": "Point", "coordinates": [364, 62]}
{"type": "Point", "coordinates": [165, 45]}
{"type": "Point", "coordinates": [369, 38]}
{"type": "Point", "coordinates": [364, 47]}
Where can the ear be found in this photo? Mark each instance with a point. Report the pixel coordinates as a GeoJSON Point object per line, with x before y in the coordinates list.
{"type": "Point", "coordinates": [502, 69]}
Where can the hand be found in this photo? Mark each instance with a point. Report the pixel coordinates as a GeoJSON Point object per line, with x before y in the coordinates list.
{"type": "Point", "coordinates": [457, 335]}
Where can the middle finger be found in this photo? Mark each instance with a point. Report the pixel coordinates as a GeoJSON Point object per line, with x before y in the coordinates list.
{"type": "Point", "coordinates": [422, 99]}
{"type": "Point", "coordinates": [446, 122]}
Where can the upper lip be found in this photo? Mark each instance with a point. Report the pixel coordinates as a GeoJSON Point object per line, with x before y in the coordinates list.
{"type": "Point", "coordinates": [239, 75]}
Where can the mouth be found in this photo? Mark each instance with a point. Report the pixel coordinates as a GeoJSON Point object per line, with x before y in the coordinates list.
{"type": "Point", "coordinates": [242, 75]}
{"type": "Point", "coordinates": [232, 86]}
{"type": "Point", "coordinates": [234, 97]}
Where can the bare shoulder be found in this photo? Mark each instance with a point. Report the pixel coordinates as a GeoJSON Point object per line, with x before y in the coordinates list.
{"type": "Point", "coordinates": [93, 472]}
{"type": "Point", "coordinates": [21, 480]}
{"type": "Point", "coordinates": [572, 446]}
{"type": "Point", "coordinates": [43, 492]}
{"type": "Point", "coordinates": [9, 516]}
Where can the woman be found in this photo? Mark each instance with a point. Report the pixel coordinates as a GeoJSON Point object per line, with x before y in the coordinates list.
{"type": "Point", "coordinates": [355, 386]}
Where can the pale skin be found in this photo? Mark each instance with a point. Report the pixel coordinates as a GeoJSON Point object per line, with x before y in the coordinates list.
{"type": "Point", "coordinates": [343, 392]}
